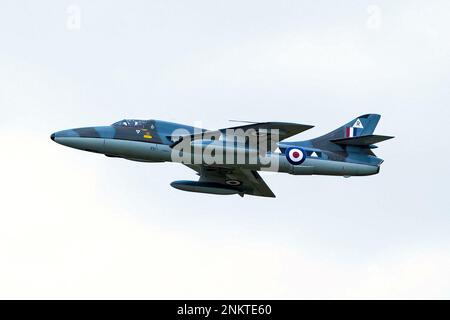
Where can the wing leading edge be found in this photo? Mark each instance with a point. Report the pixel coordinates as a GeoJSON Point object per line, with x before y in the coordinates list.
{"type": "Point", "coordinates": [262, 129]}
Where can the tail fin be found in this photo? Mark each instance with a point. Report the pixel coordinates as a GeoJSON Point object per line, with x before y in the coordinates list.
{"type": "Point", "coordinates": [355, 136]}
{"type": "Point", "coordinates": [362, 126]}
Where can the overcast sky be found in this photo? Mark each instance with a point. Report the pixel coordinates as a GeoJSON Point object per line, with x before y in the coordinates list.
{"type": "Point", "coordinates": [81, 225]}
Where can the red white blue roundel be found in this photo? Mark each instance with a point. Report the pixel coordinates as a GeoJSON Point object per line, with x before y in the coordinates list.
{"type": "Point", "coordinates": [295, 155]}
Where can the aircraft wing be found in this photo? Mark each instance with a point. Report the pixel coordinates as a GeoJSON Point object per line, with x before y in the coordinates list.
{"type": "Point", "coordinates": [286, 129]}
{"type": "Point", "coordinates": [245, 180]}
{"type": "Point", "coordinates": [261, 129]}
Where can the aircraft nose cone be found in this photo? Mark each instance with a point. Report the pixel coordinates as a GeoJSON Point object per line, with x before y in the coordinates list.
{"type": "Point", "coordinates": [52, 137]}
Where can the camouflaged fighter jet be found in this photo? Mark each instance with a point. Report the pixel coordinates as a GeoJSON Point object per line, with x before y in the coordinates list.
{"type": "Point", "coordinates": [346, 151]}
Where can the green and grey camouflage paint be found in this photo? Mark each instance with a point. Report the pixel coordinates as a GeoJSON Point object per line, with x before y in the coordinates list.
{"type": "Point", "coordinates": [346, 151]}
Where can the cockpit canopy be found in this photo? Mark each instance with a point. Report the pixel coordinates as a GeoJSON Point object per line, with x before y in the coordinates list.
{"type": "Point", "coordinates": [164, 129]}
{"type": "Point", "coordinates": [130, 123]}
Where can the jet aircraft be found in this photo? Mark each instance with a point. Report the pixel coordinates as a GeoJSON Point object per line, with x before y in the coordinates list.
{"type": "Point", "coordinates": [227, 160]}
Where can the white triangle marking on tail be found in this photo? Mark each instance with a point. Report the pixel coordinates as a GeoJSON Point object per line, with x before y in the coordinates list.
{"type": "Point", "coordinates": [358, 124]}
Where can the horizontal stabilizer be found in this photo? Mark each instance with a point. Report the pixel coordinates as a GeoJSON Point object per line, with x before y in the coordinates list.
{"type": "Point", "coordinates": [366, 140]}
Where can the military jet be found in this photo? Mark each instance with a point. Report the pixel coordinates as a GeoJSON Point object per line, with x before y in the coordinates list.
{"type": "Point", "coordinates": [227, 160]}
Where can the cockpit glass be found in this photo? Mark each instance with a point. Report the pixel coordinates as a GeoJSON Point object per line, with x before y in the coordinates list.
{"type": "Point", "coordinates": [129, 123]}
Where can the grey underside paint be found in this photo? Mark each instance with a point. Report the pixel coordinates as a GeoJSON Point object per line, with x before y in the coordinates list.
{"type": "Point", "coordinates": [144, 151]}
{"type": "Point", "coordinates": [133, 150]}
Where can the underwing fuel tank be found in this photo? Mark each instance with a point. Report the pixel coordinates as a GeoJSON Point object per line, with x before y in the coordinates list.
{"type": "Point", "coordinates": [203, 187]}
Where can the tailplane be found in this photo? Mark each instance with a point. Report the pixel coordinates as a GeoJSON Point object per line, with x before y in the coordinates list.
{"type": "Point", "coordinates": [366, 140]}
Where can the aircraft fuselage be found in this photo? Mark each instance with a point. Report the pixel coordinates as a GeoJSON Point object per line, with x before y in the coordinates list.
{"type": "Point", "coordinates": [152, 143]}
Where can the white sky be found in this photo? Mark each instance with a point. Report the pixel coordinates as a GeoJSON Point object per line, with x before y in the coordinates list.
{"type": "Point", "coordinates": [80, 225]}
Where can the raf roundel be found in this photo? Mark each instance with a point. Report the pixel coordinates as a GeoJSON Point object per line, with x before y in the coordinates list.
{"type": "Point", "coordinates": [295, 155]}
{"type": "Point", "coordinates": [233, 182]}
